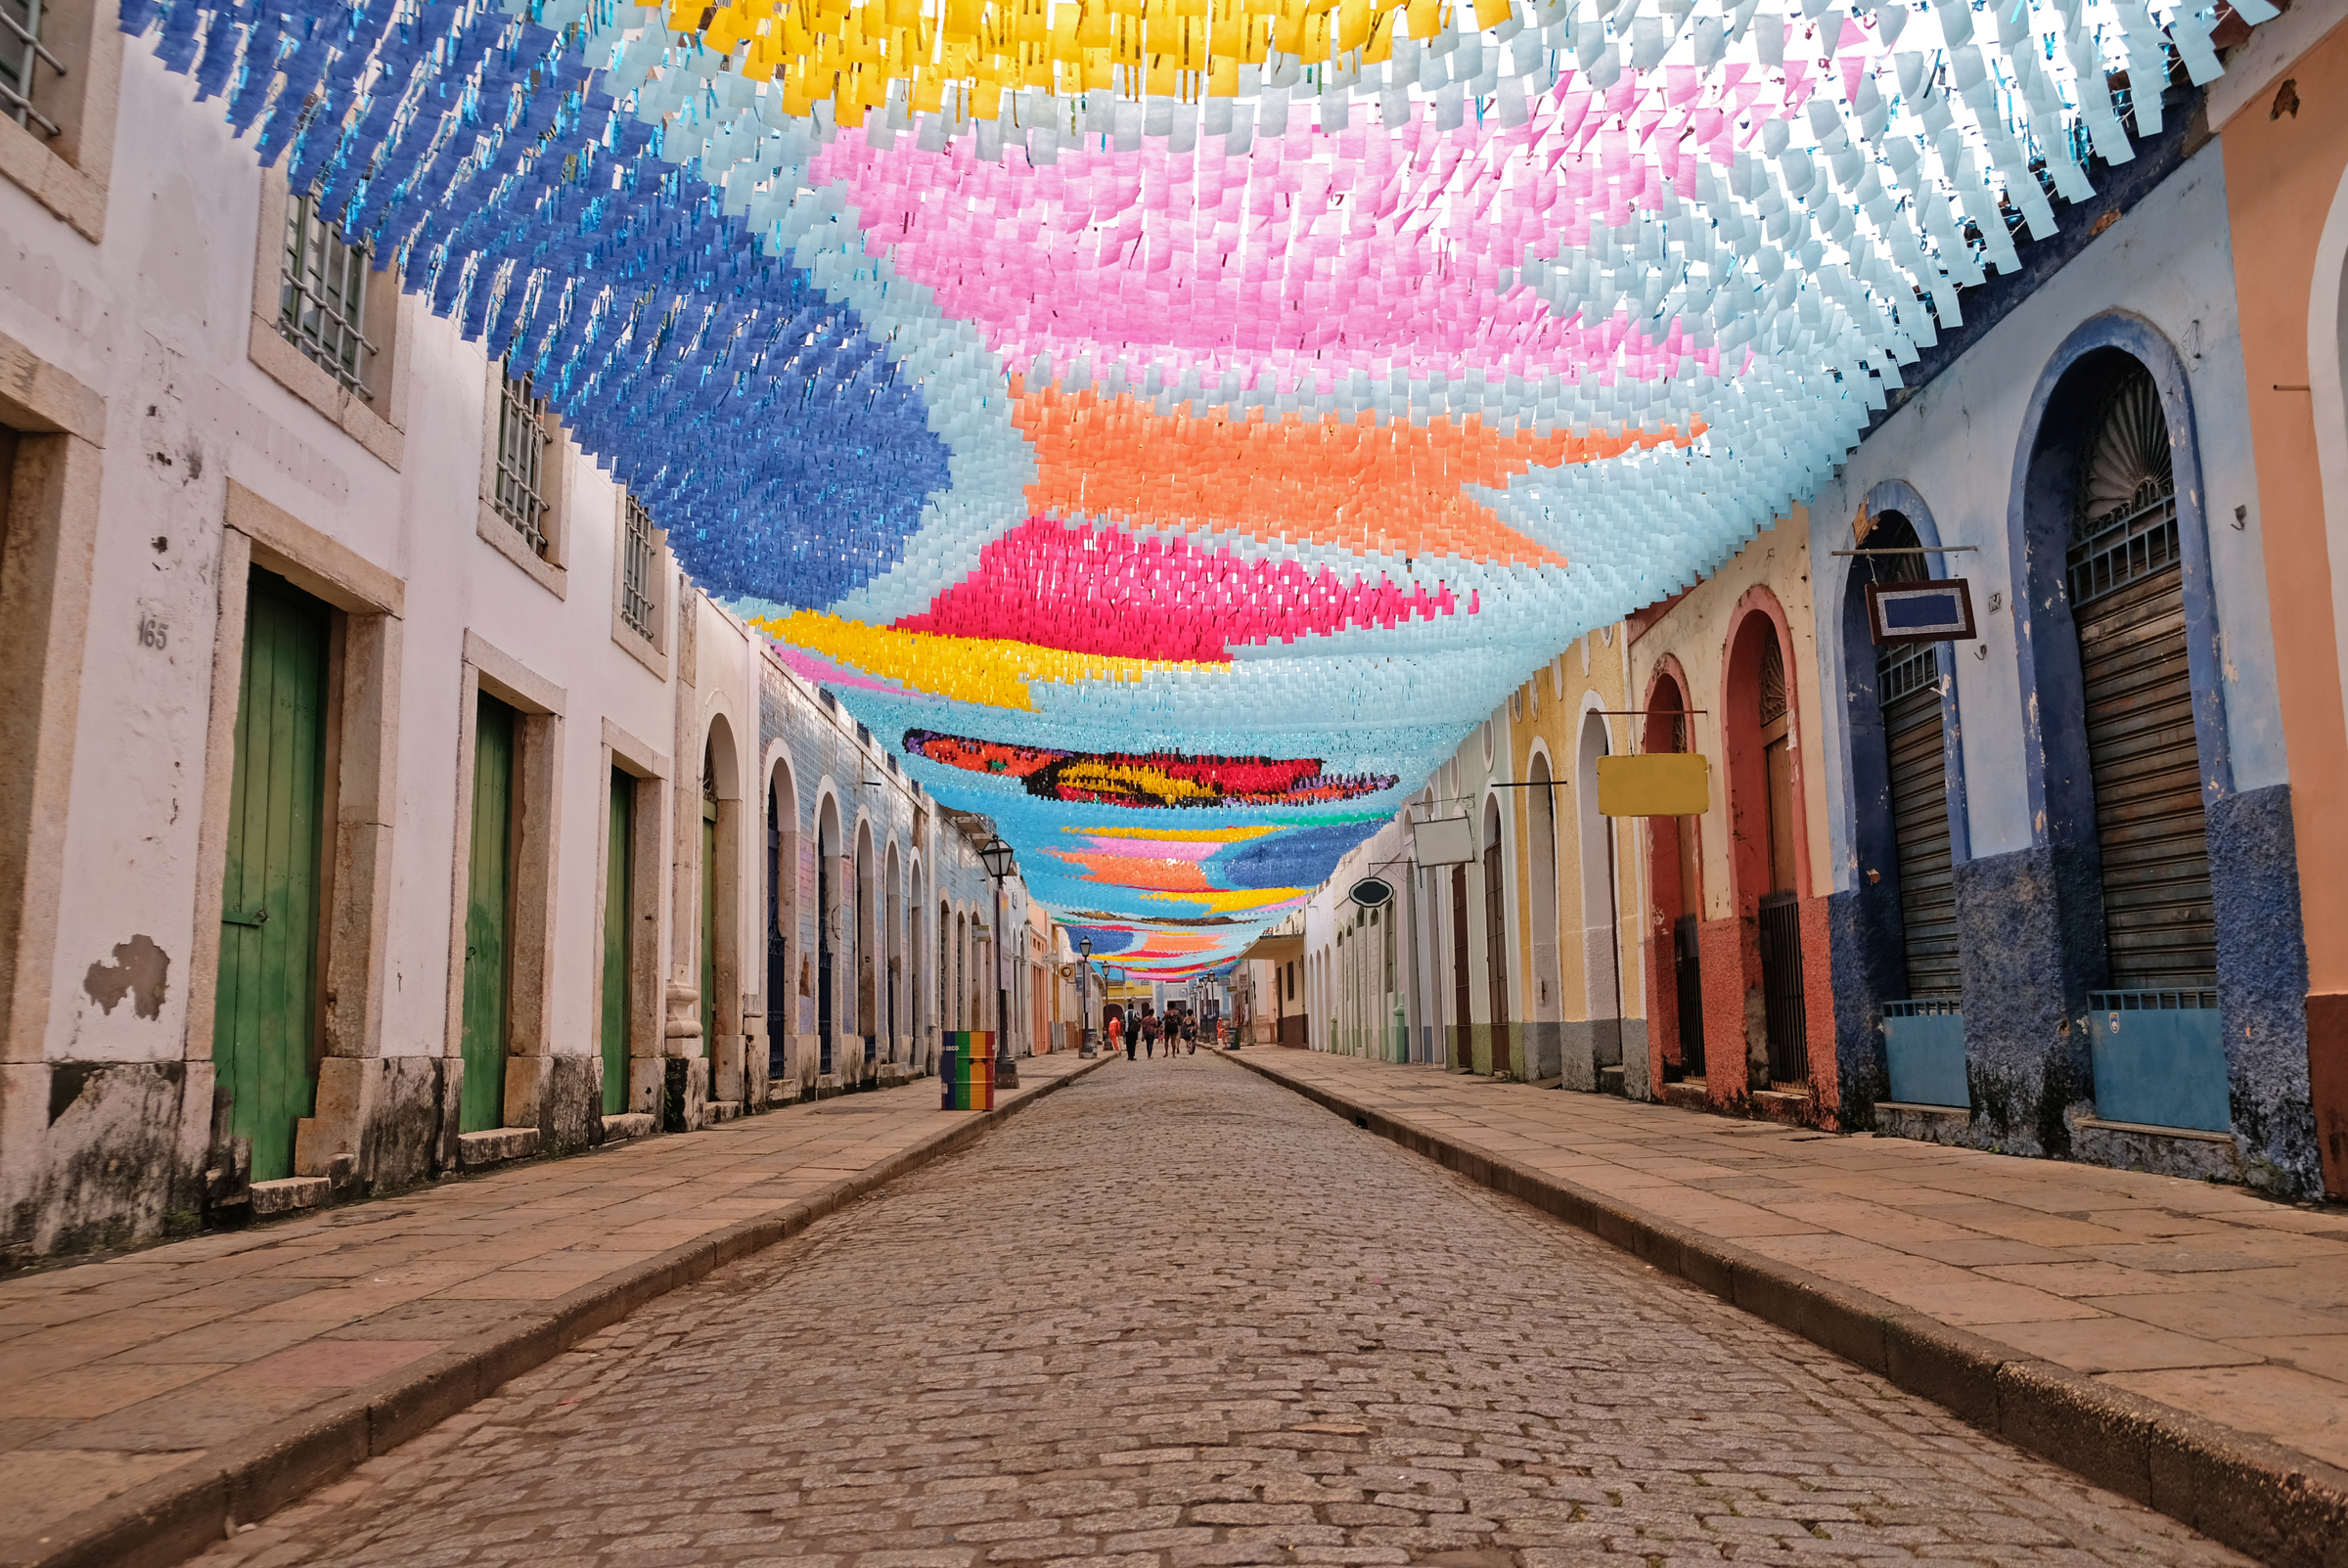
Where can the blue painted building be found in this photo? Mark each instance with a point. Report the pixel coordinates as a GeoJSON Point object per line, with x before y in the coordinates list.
{"type": "Point", "coordinates": [2064, 912]}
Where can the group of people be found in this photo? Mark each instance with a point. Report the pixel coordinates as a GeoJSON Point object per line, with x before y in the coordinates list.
{"type": "Point", "coordinates": [1143, 1033]}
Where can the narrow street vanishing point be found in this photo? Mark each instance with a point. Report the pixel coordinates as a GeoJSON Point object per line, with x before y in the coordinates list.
{"type": "Point", "coordinates": [1176, 1315]}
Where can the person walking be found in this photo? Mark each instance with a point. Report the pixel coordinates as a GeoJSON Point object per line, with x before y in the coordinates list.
{"type": "Point", "coordinates": [1117, 1036]}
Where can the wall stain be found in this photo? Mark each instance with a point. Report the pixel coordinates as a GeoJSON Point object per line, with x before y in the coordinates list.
{"type": "Point", "coordinates": [139, 971]}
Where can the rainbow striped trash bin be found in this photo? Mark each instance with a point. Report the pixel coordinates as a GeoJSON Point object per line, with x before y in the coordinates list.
{"type": "Point", "coordinates": [966, 1070]}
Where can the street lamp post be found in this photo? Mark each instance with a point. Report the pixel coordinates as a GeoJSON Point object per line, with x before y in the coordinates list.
{"type": "Point", "coordinates": [1084, 997]}
{"type": "Point", "coordinates": [996, 856]}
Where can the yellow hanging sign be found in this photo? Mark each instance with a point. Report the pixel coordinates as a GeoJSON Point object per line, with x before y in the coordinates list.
{"type": "Point", "coordinates": [1654, 784]}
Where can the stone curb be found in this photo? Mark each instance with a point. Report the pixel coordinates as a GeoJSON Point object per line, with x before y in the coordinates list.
{"type": "Point", "coordinates": [2264, 1501]}
{"type": "Point", "coordinates": [181, 1512]}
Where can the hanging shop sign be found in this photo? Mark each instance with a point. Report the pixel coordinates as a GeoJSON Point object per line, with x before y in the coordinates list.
{"type": "Point", "coordinates": [1654, 784]}
{"type": "Point", "coordinates": [1443, 842]}
{"type": "Point", "coordinates": [1936, 611]}
{"type": "Point", "coordinates": [1370, 891]}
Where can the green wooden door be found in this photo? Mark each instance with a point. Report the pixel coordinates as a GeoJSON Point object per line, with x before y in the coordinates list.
{"type": "Point", "coordinates": [265, 1026]}
{"type": "Point", "coordinates": [619, 900]}
{"type": "Point", "coordinates": [488, 907]}
{"type": "Point", "coordinates": [709, 932]}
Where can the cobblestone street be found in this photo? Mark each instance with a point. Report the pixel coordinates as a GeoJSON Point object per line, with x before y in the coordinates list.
{"type": "Point", "coordinates": [1176, 1315]}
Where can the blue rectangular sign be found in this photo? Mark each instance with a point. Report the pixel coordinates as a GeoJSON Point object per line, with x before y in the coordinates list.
{"type": "Point", "coordinates": [1937, 611]}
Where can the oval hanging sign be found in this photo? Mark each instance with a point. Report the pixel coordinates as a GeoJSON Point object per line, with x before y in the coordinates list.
{"type": "Point", "coordinates": [1370, 891]}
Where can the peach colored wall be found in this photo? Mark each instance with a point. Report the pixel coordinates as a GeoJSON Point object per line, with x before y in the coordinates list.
{"type": "Point", "coordinates": [2282, 173]}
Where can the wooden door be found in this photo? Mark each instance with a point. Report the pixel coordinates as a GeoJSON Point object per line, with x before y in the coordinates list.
{"type": "Point", "coordinates": [1462, 1039]}
{"type": "Point", "coordinates": [780, 1017]}
{"type": "Point", "coordinates": [1784, 1058]}
{"type": "Point", "coordinates": [709, 934]}
{"type": "Point", "coordinates": [618, 901]}
{"type": "Point", "coordinates": [488, 918]}
{"type": "Point", "coordinates": [824, 1024]}
{"type": "Point", "coordinates": [265, 1030]}
{"type": "Point", "coordinates": [1496, 957]}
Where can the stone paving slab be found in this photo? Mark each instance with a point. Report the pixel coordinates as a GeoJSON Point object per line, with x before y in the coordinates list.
{"type": "Point", "coordinates": [2210, 1303]}
{"type": "Point", "coordinates": [141, 1386]}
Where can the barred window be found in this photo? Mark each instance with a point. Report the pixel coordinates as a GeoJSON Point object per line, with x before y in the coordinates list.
{"type": "Point", "coordinates": [639, 554]}
{"type": "Point", "coordinates": [324, 294]}
{"type": "Point", "coordinates": [521, 443]}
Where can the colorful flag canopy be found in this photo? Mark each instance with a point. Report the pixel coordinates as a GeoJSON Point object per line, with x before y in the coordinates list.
{"type": "Point", "coordinates": [1173, 422]}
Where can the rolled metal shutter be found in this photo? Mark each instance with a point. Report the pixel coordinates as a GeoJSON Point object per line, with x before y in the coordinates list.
{"type": "Point", "coordinates": [1907, 679]}
{"type": "Point", "coordinates": [2127, 602]}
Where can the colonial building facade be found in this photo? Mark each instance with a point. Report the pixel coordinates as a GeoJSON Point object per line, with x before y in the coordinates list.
{"type": "Point", "coordinates": [2067, 887]}
{"type": "Point", "coordinates": [381, 802]}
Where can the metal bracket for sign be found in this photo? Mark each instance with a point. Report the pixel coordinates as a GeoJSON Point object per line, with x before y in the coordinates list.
{"type": "Point", "coordinates": [1908, 549]}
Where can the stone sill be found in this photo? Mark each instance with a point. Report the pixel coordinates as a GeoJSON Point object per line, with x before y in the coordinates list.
{"type": "Point", "coordinates": [2194, 1134]}
{"type": "Point", "coordinates": [631, 1124]}
{"type": "Point", "coordinates": [1784, 1104]}
{"type": "Point", "coordinates": [1688, 1094]}
{"type": "Point", "coordinates": [290, 1194]}
{"type": "Point", "coordinates": [1955, 1113]}
{"type": "Point", "coordinates": [496, 1145]}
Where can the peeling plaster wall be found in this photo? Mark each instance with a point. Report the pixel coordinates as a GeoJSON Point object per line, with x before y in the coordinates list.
{"type": "Point", "coordinates": [2029, 903]}
{"type": "Point", "coordinates": [157, 321]}
{"type": "Point", "coordinates": [2170, 260]}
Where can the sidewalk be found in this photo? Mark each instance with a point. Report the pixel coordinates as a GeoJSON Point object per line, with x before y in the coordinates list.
{"type": "Point", "coordinates": [2124, 1314]}
{"type": "Point", "coordinates": [154, 1397]}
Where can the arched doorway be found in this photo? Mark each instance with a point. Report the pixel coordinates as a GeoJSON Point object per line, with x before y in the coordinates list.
{"type": "Point", "coordinates": [1601, 947]}
{"type": "Point", "coordinates": [893, 952]}
{"type": "Point", "coordinates": [868, 980]}
{"type": "Point", "coordinates": [1902, 832]}
{"type": "Point", "coordinates": [2114, 545]}
{"type": "Point", "coordinates": [782, 919]}
{"type": "Point", "coordinates": [1675, 883]}
{"type": "Point", "coordinates": [826, 934]}
{"type": "Point", "coordinates": [1547, 1037]}
{"type": "Point", "coordinates": [918, 986]}
{"type": "Point", "coordinates": [706, 934]}
{"type": "Point", "coordinates": [1765, 830]}
{"type": "Point", "coordinates": [2127, 593]}
{"type": "Point", "coordinates": [1463, 1022]}
{"type": "Point", "coordinates": [1496, 943]}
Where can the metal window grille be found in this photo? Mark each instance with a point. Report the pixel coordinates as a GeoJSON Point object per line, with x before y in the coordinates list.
{"type": "Point", "coordinates": [21, 56]}
{"type": "Point", "coordinates": [2150, 1001]}
{"type": "Point", "coordinates": [1904, 668]}
{"type": "Point", "coordinates": [636, 556]}
{"type": "Point", "coordinates": [522, 442]}
{"type": "Point", "coordinates": [1785, 1014]}
{"type": "Point", "coordinates": [324, 294]}
{"type": "Point", "coordinates": [1924, 1007]}
{"type": "Point", "coordinates": [2130, 548]}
